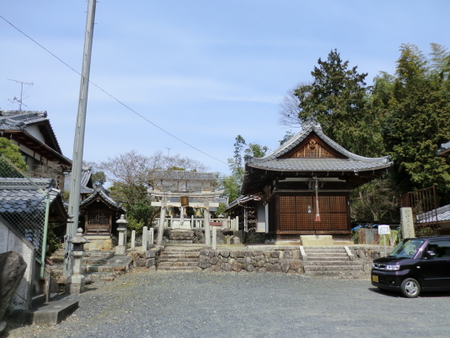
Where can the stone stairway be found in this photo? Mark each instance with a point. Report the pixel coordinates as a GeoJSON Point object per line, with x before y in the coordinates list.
{"type": "Point", "coordinates": [103, 265]}
{"type": "Point", "coordinates": [179, 258]}
{"type": "Point", "coordinates": [331, 261]}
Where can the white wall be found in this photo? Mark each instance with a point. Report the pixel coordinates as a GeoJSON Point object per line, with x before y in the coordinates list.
{"type": "Point", "coordinates": [261, 218]}
{"type": "Point", "coordinates": [10, 240]}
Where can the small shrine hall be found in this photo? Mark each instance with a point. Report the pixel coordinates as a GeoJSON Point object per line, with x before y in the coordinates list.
{"type": "Point", "coordinates": [303, 187]}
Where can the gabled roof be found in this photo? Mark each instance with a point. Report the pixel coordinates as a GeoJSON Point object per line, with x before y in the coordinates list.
{"type": "Point", "coordinates": [18, 125]}
{"type": "Point", "coordinates": [344, 160]}
{"type": "Point", "coordinates": [310, 153]}
{"type": "Point", "coordinates": [100, 193]}
{"type": "Point", "coordinates": [444, 150]}
{"type": "Point", "coordinates": [85, 184]}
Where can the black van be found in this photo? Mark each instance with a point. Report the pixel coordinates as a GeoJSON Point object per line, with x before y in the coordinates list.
{"type": "Point", "coordinates": [415, 265]}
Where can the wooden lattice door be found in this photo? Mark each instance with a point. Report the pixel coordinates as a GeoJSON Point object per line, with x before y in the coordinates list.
{"type": "Point", "coordinates": [299, 213]}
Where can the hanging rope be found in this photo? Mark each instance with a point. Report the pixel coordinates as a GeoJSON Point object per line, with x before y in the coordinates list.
{"type": "Point", "coordinates": [317, 201]}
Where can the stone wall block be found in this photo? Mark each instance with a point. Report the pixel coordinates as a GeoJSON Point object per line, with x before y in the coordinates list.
{"type": "Point", "coordinates": [214, 260]}
{"type": "Point", "coordinates": [225, 253]}
{"type": "Point", "coordinates": [204, 264]}
{"type": "Point", "coordinates": [250, 268]}
{"type": "Point", "coordinates": [257, 253]}
{"type": "Point", "coordinates": [226, 267]}
{"type": "Point", "coordinates": [150, 262]}
{"type": "Point", "coordinates": [284, 265]}
{"type": "Point", "coordinates": [140, 261]}
{"type": "Point", "coordinates": [276, 254]}
{"type": "Point", "coordinates": [215, 268]}
{"type": "Point", "coordinates": [296, 265]}
{"type": "Point", "coordinates": [236, 266]}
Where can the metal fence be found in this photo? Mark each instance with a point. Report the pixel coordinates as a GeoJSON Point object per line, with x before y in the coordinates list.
{"type": "Point", "coordinates": [24, 204]}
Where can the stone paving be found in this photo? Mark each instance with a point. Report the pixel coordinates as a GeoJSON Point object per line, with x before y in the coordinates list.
{"type": "Point", "coordinates": [199, 304]}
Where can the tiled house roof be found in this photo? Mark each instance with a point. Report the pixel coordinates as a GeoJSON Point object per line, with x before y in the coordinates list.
{"type": "Point", "coordinates": [181, 180]}
{"type": "Point", "coordinates": [444, 150]}
{"type": "Point", "coordinates": [23, 206]}
{"type": "Point", "coordinates": [19, 195]}
{"type": "Point", "coordinates": [32, 129]}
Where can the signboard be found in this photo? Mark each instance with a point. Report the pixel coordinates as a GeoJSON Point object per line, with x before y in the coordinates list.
{"type": "Point", "coordinates": [384, 229]}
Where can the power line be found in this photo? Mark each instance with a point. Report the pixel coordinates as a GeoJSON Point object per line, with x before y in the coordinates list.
{"type": "Point", "coordinates": [110, 95]}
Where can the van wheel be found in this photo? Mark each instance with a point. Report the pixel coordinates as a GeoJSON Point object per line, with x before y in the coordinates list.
{"type": "Point", "coordinates": [410, 288]}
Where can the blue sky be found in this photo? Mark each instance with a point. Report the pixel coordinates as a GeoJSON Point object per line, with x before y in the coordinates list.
{"type": "Point", "coordinates": [205, 71]}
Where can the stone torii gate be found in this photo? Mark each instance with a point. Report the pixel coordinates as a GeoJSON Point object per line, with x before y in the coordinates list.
{"type": "Point", "coordinates": [164, 202]}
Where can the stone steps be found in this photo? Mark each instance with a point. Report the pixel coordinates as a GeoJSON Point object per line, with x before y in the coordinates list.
{"type": "Point", "coordinates": [331, 262]}
{"type": "Point", "coordinates": [103, 265]}
{"type": "Point", "coordinates": [179, 258]}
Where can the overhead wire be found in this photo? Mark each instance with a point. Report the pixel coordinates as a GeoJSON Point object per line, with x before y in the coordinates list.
{"type": "Point", "coordinates": [110, 95]}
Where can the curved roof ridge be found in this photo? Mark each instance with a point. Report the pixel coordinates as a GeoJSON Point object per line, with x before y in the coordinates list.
{"type": "Point", "coordinates": [302, 135]}
{"type": "Point", "coordinates": [99, 190]}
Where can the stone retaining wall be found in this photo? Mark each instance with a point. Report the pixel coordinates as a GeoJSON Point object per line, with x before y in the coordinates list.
{"type": "Point", "coordinates": [271, 260]}
{"type": "Point", "coordinates": [145, 258]}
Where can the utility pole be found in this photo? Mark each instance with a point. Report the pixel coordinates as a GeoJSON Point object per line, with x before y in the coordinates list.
{"type": "Point", "coordinates": [78, 145]}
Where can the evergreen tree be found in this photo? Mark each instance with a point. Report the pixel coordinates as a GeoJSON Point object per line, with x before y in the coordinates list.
{"type": "Point", "coordinates": [338, 99]}
{"type": "Point", "coordinates": [420, 120]}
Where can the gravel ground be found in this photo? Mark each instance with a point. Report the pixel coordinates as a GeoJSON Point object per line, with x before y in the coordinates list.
{"type": "Point", "coordinates": [168, 304]}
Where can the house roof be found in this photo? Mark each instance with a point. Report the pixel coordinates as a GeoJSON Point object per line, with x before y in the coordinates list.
{"type": "Point", "coordinates": [444, 150]}
{"type": "Point", "coordinates": [441, 214]}
{"type": "Point", "coordinates": [103, 194]}
{"type": "Point", "coordinates": [85, 184]}
{"type": "Point", "coordinates": [18, 125]}
{"type": "Point", "coordinates": [183, 175]}
{"type": "Point", "coordinates": [19, 195]}
{"type": "Point", "coordinates": [339, 162]}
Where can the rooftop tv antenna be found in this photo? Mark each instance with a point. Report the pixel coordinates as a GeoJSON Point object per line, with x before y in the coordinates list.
{"type": "Point", "coordinates": [20, 101]}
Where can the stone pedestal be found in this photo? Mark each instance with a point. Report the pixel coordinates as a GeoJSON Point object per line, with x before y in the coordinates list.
{"type": "Point", "coordinates": [121, 247]}
{"type": "Point", "coordinates": [76, 282]}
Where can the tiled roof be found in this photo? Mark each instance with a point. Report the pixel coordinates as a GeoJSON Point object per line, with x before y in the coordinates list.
{"type": "Point", "coordinates": [442, 213]}
{"type": "Point", "coordinates": [101, 192]}
{"type": "Point", "coordinates": [351, 162]}
{"type": "Point", "coordinates": [19, 195]}
{"type": "Point", "coordinates": [16, 122]}
{"type": "Point", "coordinates": [12, 119]}
{"type": "Point", "coordinates": [320, 164]}
{"type": "Point", "coordinates": [183, 175]}
{"type": "Point", "coordinates": [445, 147]}
{"type": "Point", "coordinates": [86, 174]}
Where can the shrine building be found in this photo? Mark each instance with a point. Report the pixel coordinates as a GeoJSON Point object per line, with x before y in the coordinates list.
{"type": "Point", "coordinates": [302, 188]}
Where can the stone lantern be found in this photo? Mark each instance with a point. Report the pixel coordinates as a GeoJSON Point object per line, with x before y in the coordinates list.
{"type": "Point", "coordinates": [121, 247]}
{"type": "Point", "coordinates": [76, 282]}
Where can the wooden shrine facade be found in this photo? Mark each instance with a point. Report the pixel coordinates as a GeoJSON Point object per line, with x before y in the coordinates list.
{"type": "Point", "coordinates": [305, 185]}
{"type": "Point", "coordinates": [100, 213]}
